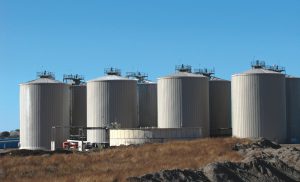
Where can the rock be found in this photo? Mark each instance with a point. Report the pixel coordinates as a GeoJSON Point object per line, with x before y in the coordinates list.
{"type": "Point", "coordinates": [260, 143]}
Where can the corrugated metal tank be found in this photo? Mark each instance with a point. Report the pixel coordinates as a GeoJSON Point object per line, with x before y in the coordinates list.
{"type": "Point", "coordinates": [183, 101]}
{"type": "Point", "coordinates": [79, 107]}
{"type": "Point", "coordinates": [219, 105]}
{"type": "Point", "coordinates": [259, 105]}
{"type": "Point", "coordinates": [111, 98]}
{"type": "Point", "coordinates": [43, 103]}
{"type": "Point", "coordinates": [293, 109]}
{"type": "Point", "coordinates": [147, 104]}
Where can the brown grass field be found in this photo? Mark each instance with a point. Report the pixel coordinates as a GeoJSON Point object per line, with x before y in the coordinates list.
{"type": "Point", "coordinates": [117, 164]}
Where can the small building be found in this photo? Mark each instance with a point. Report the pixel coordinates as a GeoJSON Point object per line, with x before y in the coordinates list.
{"type": "Point", "coordinates": [137, 136]}
{"type": "Point", "coordinates": [8, 143]}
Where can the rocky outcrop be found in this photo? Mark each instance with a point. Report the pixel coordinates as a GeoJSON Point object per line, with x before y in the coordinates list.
{"type": "Point", "coordinates": [264, 161]}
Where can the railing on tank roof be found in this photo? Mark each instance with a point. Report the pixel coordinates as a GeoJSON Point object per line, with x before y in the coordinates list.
{"type": "Point", "coordinates": [206, 72]}
{"type": "Point", "coordinates": [75, 79]}
{"type": "Point", "coordinates": [183, 68]}
{"type": "Point", "coordinates": [45, 74]}
{"type": "Point", "coordinates": [258, 64]}
{"type": "Point", "coordinates": [141, 77]}
{"type": "Point", "coordinates": [112, 71]}
{"type": "Point", "coordinates": [276, 68]}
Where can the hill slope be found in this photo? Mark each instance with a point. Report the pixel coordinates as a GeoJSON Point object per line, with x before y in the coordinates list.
{"type": "Point", "coordinates": [117, 164]}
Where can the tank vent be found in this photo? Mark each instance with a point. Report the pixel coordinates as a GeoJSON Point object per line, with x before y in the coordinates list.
{"type": "Point", "coordinates": [112, 71]}
{"type": "Point", "coordinates": [45, 74]}
{"type": "Point", "coordinates": [183, 68]}
{"type": "Point", "coordinates": [142, 77]}
{"type": "Point", "coordinates": [74, 79]}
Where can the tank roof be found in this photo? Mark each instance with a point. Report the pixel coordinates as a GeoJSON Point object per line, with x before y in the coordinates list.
{"type": "Point", "coordinates": [213, 78]}
{"type": "Point", "coordinates": [183, 75]}
{"type": "Point", "coordinates": [111, 77]}
{"type": "Point", "coordinates": [41, 81]}
{"type": "Point", "coordinates": [147, 82]}
{"type": "Point", "coordinates": [258, 71]}
{"type": "Point", "coordinates": [43, 77]}
{"type": "Point", "coordinates": [290, 76]}
{"type": "Point", "coordinates": [260, 67]}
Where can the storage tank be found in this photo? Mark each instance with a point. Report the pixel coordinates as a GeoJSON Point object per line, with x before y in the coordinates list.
{"type": "Point", "coordinates": [219, 103]}
{"type": "Point", "coordinates": [259, 104]}
{"type": "Point", "coordinates": [78, 105]}
{"type": "Point", "coordinates": [44, 103]}
{"type": "Point", "coordinates": [293, 109]}
{"type": "Point", "coordinates": [147, 99]}
{"type": "Point", "coordinates": [147, 105]}
{"type": "Point", "coordinates": [183, 100]}
{"type": "Point", "coordinates": [110, 99]}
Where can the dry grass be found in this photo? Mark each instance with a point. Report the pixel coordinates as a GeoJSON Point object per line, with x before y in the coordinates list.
{"type": "Point", "coordinates": [118, 163]}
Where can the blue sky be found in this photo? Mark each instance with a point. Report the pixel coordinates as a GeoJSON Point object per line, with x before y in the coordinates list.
{"type": "Point", "coordinates": [84, 37]}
